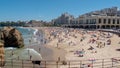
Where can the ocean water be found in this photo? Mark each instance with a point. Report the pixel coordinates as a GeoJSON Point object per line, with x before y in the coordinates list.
{"type": "Point", "coordinates": [28, 35]}
{"type": "Point", "coordinates": [32, 36]}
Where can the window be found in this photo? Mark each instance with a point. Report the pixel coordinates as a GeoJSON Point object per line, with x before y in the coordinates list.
{"type": "Point", "coordinates": [113, 21]}
{"type": "Point", "coordinates": [87, 21]}
{"type": "Point", "coordinates": [80, 21]}
{"type": "Point", "coordinates": [76, 22]}
{"type": "Point", "coordinates": [99, 20]}
{"type": "Point", "coordinates": [118, 21]}
{"type": "Point", "coordinates": [93, 21]}
{"type": "Point", "coordinates": [109, 21]}
{"type": "Point", "coordinates": [104, 21]}
{"type": "Point", "coordinates": [71, 21]}
{"type": "Point", "coordinates": [90, 21]}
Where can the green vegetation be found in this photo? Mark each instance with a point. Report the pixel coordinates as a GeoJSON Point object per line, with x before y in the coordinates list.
{"type": "Point", "coordinates": [31, 23]}
{"type": "Point", "coordinates": [12, 23]}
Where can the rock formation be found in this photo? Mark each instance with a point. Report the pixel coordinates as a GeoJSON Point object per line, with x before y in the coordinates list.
{"type": "Point", "coordinates": [11, 37]}
{"type": "Point", "coordinates": [2, 53]}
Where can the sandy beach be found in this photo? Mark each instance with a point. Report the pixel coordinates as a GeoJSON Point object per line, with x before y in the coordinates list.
{"type": "Point", "coordinates": [77, 44]}
{"type": "Point", "coordinates": [72, 41]}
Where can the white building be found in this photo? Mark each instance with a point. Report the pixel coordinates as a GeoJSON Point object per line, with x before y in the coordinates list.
{"type": "Point", "coordinates": [106, 19]}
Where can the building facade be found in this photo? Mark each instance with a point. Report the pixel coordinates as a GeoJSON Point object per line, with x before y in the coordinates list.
{"type": "Point", "coordinates": [96, 22]}
{"type": "Point", "coordinates": [108, 18]}
{"type": "Point", "coordinates": [65, 18]}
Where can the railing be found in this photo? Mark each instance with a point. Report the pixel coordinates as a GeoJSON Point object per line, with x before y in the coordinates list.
{"type": "Point", "coordinates": [91, 63]}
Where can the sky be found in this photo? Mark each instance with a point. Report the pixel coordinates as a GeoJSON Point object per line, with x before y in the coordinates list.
{"type": "Point", "coordinates": [25, 10]}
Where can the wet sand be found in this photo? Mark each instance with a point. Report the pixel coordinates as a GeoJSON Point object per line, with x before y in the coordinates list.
{"type": "Point", "coordinates": [49, 53]}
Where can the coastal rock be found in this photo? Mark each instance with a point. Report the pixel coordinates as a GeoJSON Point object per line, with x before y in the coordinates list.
{"type": "Point", "coordinates": [2, 54]}
{"type": "Point", "coordinates": [11, 37]}
{"type": "Point", "coordinates": [1, 36]}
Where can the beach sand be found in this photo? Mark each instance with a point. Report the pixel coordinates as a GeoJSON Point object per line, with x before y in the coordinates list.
{"type": "Point", "coordinates": [65, 42]}
{"type": "Point", "coordinates": [49, 53]}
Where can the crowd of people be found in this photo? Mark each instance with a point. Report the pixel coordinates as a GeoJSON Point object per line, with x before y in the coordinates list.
{"type": "Point", "coordinates": [79, 42]}
{"type": "Point", "coordinates": [73, 37]}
